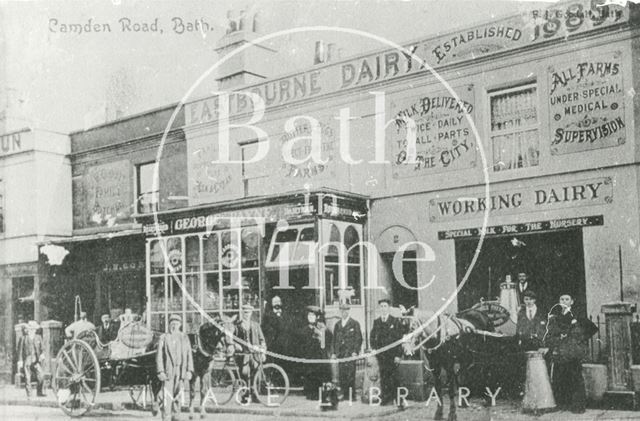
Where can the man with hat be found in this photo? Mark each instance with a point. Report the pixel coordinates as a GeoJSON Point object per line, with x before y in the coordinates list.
{"type": "Point", "coordinates": [347, 340]}
{"type": "Point", "coordinates": [315, 341]}
{"type": "Point", "coordinates": [567, 338]}
{"type": "Point", "coordinates": [174, 365]}
{"type": "Point", "coordinates": [532, 323]}
{"type": "Point", "coordinates": [30, 357]}
{"type": "Point", "coordinates": [249, 345]}
{"type": "Point", "coordinates": [387, 330]}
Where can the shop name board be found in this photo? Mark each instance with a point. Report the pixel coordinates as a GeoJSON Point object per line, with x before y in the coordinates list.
{"type": "Point", "coordinates": [528, 227]}
{"type": "Point", "coordinates": [533, 199]}
{"type": "Point", "coordinates": [586, 104]}
{"type": "Point", "coordinates": [12, 143]}
{"type": "Point", "coordinates": [530, 28]}
{"type": "Point", "coordinates": [123, 266]}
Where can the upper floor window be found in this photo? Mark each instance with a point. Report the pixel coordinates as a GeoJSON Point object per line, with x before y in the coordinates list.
{"type": "Point", "coordinates": [514, 127]}
{"type": "Point", "coordinates": [148, 194]}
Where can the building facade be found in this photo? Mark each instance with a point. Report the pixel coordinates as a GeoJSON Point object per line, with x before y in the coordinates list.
{"type": "Point", "coordinates": [526, 134]}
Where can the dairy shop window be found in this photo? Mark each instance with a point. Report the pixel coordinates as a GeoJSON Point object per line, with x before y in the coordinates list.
{"type": "Point", "coordinates": [515, 127]}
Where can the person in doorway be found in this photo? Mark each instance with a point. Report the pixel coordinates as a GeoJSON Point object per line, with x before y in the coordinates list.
{"type": "Point", "coordinates": [567, 337]}
{"type": "Point", "coordinates": [347, 340]}
{"type": "Point", "coordinates": [532, 323]}
{"type": "Point", "coordinates": [174, 365]}
{"type": "Point", "coordinates": [30, 358]}
{"type": "Point", "coordinates": [107, 331]}
{"type": "Point", "coordinates": [248, 356]}
{"type": "Point", "coordinates": [79, 326]}
{"type": "Point", "coordinates": [524, 285]}
{"type": "Point", "coordinates": [387, 330]}
{"type": "Point", "coordinates": [314, 340]}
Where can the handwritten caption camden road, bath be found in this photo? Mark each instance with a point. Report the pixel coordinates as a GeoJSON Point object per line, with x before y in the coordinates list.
{"type": "Point", "coordinates": [175, 25]}
{"type": "Point", "coordinates": [587, 104]}
{"type": "Point", "coordinates": [519, 200]}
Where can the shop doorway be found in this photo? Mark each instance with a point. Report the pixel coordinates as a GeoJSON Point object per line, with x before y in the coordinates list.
{"type": "Point", "coordinates": [553, 261]}
{"type": "Point", "coordinates": [408, 297]}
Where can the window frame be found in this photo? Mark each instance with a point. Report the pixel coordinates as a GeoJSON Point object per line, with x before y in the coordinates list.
{"type": "Point", "coordinates": [506, 90]}
{"type": "Point", "coordinates": [138, 189]}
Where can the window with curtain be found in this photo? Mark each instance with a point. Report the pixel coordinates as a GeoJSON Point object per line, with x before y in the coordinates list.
{"type": "Point", "coordinates": [514, 128]}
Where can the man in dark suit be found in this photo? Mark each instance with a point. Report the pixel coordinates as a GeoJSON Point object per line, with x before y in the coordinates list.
{"type": "Point", "coordinates": [567, 338]}
{"type": "Point", "coordinates": [248, 358]}
{"type": "Point", "coordinates": [524, 285]}
{"type": "Point", "coordinates": [314, 341]}
{"type": "Point", "coordinates": [276, 327]}
{"type": "Point", "coordinates": [30, 357]}
{"type": "Point", "coordinates": [387, 330]}
{"type": "Point", "coordinates": [107, 332]}
{"type": "Point", "coordinates": [347, 340]}
{"type": "Point", "coordinates": [532, 323]}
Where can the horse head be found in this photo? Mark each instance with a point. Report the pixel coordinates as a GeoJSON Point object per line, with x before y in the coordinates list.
{"type": "Point", "coordinates": [423, 329]}
{"type": "Point", "coordinates": [212, 333]}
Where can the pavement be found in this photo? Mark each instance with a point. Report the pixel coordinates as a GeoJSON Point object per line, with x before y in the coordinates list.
{"type": "Point", "coordinates": [296, 407]}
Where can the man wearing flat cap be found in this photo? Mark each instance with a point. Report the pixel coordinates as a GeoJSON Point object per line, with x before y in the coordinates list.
{"type": "Point", "coordinates": [315, 342]}
{"type": "Point", "coordinates": [387, 330]}
{"type": "Point", "coordinates": [249, 344]}
{"type": "Point", "coordinates": [174, 365]}
{"type": "Point", "coordinates": [347, 340]}
{"type": "Point", "coordinates": [30, 357]}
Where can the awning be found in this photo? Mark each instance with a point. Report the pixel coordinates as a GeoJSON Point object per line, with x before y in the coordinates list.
{"type": "Point", "coordinates": [95, 236]}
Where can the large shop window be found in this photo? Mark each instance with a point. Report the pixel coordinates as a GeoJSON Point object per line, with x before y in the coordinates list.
{"type": "Point", "coordinates": [514, 128]}
{"type": "Point", "coordinates": [219, 271]}
{"type": "Point", "coordinates": [342, 260]}
{"type": "Point", "coordinates": [148, 197]}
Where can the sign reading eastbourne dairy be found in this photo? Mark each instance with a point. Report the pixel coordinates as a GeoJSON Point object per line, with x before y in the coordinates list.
{"type": "Point", "coordinates": [533, 27]}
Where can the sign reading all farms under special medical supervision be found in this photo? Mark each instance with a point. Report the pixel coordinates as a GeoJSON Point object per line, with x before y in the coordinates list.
{"type": "Point", "coordinates": [439, 123]}
{"type": "Point", "coordinates": [586, 102]}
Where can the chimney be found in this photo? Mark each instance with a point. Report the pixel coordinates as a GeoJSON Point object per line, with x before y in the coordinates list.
{"type": "Point", "coordinates": [254, 63]}
{"type": "Point", "coordinates": [326, 53]}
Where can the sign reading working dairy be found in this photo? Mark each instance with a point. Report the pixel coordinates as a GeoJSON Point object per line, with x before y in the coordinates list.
{"type": "Point", "coordinates": [545, 197]}
{"type": "Point", "coordinates": [533, 27]}
{"type": "Point", "coordinates": [438, 123]}
{"type": "Point", "coordinates": [586, 104]}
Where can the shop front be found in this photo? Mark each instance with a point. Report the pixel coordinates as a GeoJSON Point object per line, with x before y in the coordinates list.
{"type": "Point", "coordinates": [304, 247]}
{"type": "Point", "coordinates": [575, 233]}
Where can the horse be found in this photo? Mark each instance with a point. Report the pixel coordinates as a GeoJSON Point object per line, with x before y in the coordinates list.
{"type": "Point", "coordinates": [204, 346]}
{"type": "Point", "coordinates": [442, 338]}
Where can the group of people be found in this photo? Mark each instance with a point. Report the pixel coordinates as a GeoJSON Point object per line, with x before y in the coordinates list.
{"type": "Point", "coordinates": [565, 334]}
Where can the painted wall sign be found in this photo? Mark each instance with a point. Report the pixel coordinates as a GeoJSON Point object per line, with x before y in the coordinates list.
{"type": "Point", "coordinates": [533, 27]}
{"type": "Point", "coordinates": [12, 143]}
{"type": "Point", "coordinates": [443, 136]}
{"type": "Point", "coordinates": [586, 104]}
{"type": "Point", "coordinates": [301, 148]}
{"type": "Point", "coordinates": [529, 227]}
{"type": "Point", "coordinates": [545, 197]}
{"type": "Point", "coordinates": [208, 182]}
{"type": "Point", "coordinates": [104, 195]}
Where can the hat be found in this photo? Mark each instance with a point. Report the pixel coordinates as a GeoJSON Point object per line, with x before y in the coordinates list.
{"type": "Point", "coordinates": [175, 318]}
{"type": "Point", "coordinates": [247, 307]}
{"type": "Point", "coordinates": [530, 294]}
{"type": "Point", "coordinates": [384, 300]}
{"type": "Point", "coordinates": [345, 306]}
{"type": "Point", "coordinates": [314, 309]}
{"type": "Point", "coordinates": [33, 325]}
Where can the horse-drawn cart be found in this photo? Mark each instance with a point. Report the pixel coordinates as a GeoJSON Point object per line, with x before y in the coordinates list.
{"type": "Point", "coordinates": [85, 367]}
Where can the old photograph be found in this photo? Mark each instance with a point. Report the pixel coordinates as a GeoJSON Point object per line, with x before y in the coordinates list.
{"type": "Point", "coordinates": [324, 209]}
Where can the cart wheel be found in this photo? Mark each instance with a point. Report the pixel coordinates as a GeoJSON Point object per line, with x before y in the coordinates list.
{"type": "Point", "coordinates": [76, 380]}
{"type": "Point", "coordinates": [141, 396]}
{"type": "Point", "coordinates": [271, 385]}
{"type": "Point", "coordinates": [222, 384]}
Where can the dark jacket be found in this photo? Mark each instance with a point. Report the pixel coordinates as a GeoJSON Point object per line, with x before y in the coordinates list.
{"type": "Point", "coordinates": [383, 334]}
{"type": "Point", "coordinates": [309, 343]}
{"type": "Point", "coordinates": [347, 340]}
{"type": "Point", "coordinates": [530, 332]}
{"type": "Point", "coordinates": [108, 334]}
{"type": "Point", "coordinates": [30, 350]}
{"type": "Point", "coordinates": [277, 333]}
{"type": "Point", "coordinates": [568, 337]}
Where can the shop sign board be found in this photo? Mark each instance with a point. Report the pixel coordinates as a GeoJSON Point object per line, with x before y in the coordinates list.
{"type": "Point", "coordinates": [523, 228]}
{"type": "Point", "coordinates": [533, 27]}
{"type": "Point", "coordinates": [544, 197]}
{"type": "Point", "coordinates": [440, 125]}
{"type": "Point", "coordinates": [103, 195]}
{"type": "Point", "coordinates": [12, 143]}
{"type": "Point", "coordinates": [586, 104]}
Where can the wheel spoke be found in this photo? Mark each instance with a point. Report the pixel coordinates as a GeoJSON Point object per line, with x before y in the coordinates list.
{"type": "Point", "coordinates": [85, 386]}
{"type": "Point", "coordinates": [73, 366]}
{"type": "Point", "coordinates": [79, 360]}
